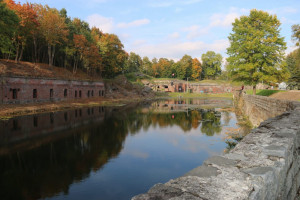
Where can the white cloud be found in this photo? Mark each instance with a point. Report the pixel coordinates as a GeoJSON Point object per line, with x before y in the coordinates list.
{"type": "Point", "coordinates": [135, 23]}
{"type": "Point", "coordinates": [162, 3]}
{"type": "Point", "coordinates": [174, 35]}
{"type": "Point", "coordinates": [139, 42]}
{"type": "Point", "coordinates": [106, 24]}
{"type": "Point", "coordinates": [289, 10]}
{"type": "Point", "coordinates": [178, 10]}
{"type": "Point", "coordinates": [176, 50]}
{"type": "Point", "coordinates": [188, 2]}
{"type": "Point", "coordinates": [223, 20]}
{"type": "Point", "coordinates": [283, 10]}
{"type": "Point", "coordinates": [195, 31]}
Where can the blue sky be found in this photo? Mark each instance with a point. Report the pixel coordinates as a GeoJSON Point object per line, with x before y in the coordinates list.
{"type": "Point", "coordinates": [173, 28]}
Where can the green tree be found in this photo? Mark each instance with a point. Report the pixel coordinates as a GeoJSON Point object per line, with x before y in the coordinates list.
{"type": "Point", "coordinates": [184, 69]}
{"type": "Point", "coordinates": [296, 33]}
{"type": "Point", "coordinates": [8, 26]}
{"type": "Point", "coordinates": [293, 59]}
{"type": "Point", "coordinates": [211, 64]}
{"type": "Point", "coordinates": [133, 63]}
{"type": "Point", "coordinates": [256, 49]}
{"type": "Point", "coordinates": [146, 66]}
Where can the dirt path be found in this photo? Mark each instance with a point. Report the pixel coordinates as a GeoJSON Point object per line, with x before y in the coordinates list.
{"type": "Point", "coordinates": [292, 95]}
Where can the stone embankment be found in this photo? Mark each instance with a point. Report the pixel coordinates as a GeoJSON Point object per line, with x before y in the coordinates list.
{"type": "Point", "coordinates": [260, 108]}
{"type": "Point", "coordinates": [264, 165]}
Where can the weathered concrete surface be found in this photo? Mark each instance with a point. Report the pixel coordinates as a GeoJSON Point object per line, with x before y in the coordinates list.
{"type": "Point", "coordinates": [264, 165]}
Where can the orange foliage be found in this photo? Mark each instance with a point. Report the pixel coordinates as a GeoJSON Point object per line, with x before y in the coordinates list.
{"type": "Point", "coordinates": [196, 69]}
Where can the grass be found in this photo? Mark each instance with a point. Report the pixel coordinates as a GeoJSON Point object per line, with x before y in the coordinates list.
{"type": "Point", "coordinates": [264, 92]}
{"type": "Point", "coordinates": [195, 95]}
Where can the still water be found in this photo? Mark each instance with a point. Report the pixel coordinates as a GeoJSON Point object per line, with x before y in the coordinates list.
{"type": "Point", "coordinates": [109, 153]}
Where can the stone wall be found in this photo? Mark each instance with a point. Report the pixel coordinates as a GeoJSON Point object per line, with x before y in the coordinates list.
{"type": "Point", "coordinates": [26, 90]}
{"type": "Point", "coordinates": [260, 108]}
{"type": "Point", "coordinates": [264, 165]}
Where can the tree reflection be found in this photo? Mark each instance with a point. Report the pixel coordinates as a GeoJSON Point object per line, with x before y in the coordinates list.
{"type": "Point", "coordinates": [50, 168]}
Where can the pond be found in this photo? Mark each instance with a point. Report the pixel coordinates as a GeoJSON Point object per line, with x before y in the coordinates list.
{"type": "Point", "coordinates": [109, 152]}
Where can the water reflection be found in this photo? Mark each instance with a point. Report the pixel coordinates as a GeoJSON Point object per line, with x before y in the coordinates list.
{"type": "Point", "coordinates": [43, 155]}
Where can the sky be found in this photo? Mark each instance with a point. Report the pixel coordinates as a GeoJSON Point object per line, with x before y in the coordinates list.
{"type": "Point", "coordinates": [172, 28]}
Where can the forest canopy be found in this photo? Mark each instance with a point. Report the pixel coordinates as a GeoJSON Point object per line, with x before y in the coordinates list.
{"type": "Point", "coordinates": [41, 34]}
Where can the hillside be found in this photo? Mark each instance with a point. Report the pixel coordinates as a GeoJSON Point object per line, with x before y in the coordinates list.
{"type": "Point", "coordinates": [40, 70]}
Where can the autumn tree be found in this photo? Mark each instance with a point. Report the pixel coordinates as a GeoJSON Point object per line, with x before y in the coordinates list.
{"type": "Point", "coordinates": [256, 49]}
{"type": "Point", "coordinates": [27, 24]}
{"type": "Point", "coordinates": [53, 29]}
{"type": "Point", "coordinates": [184, 67]}
{"type": "Point", "coordinates": [164, 67]}
{"type": "Point", "coordinates": [113, 55]}
{"type": "Point", "coordinates": [8, 25]}
{"type": "Point", "coordinates": [196, 69]}
{"type": "Point", "coordinates": [80, 50]}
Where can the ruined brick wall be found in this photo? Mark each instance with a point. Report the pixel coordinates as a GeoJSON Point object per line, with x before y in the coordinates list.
{"type": "Point", "coordinates": [182, 86]}
{"type": "Point", "coordinates": [26, 90]}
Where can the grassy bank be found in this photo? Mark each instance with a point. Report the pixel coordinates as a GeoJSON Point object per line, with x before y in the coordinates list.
{"type": "Point", "coordinates": [264, 92]}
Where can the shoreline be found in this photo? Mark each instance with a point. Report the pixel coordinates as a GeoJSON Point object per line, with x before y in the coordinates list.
{"type": "Point", "coordinates": [8, 111]}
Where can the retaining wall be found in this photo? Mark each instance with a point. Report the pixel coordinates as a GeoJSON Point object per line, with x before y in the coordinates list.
{"type": "Point", "coordinates": [260, 108]}
{"type": "Point", "coordinates": [264, 165]}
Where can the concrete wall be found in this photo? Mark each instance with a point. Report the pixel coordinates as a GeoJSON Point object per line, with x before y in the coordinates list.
{"type": "Point", "coordinates": [264, 165]}
{"type": "Point", "coordinates": [21, 89]}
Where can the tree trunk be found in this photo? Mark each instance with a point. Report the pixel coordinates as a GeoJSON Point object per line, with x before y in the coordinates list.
{"type": "Point", "coordinates": [8, 54]}
{"type": "Point", "coordinates": [52, 56]}
{"type": "Point", "coordinates": [75, 65]}
{"type": "Point", "coordinates": [49, 54]}
{"type": "Point", "coordinates": [21, 54]}
{"type": "Point", "coordinates": [254, 89]}
{"type": "Point", "coordinates": [35, 49]}
{"type": "Point", "coordinates": [17, 53]}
